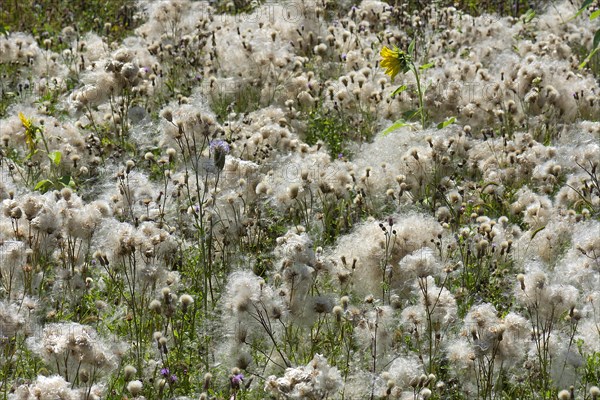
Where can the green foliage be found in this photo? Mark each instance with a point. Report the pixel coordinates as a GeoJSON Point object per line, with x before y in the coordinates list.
{"type": "Point", "coordinates": [396, 125]}
{"type": "Point", "coordinates": [246, 98]}
{"type": "Point", "coordinates": [329, 128]}
{"type": "Point", "coordinates": [514, 8]}
{"type": "Point", "coordinates": [448, 121]}
{"type": "Point", "coordinates": [337, 131]}
{"type": "Point", "coordinates": [11, 85]}
{"type": "Point", "coordinates": [47, 184]}
{"type": "Point", "coordinates": [47, 18]}
{"type": "Point", "coordinates": [590, 368]}
{"type": "Point", "coordinates": [591, 57]}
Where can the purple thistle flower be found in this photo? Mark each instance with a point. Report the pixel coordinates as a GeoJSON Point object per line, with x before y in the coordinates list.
{"type": "Point", "coordinates": [219, 149]}
{"type": "Point", "coordinates": [173, 378]}
{"type": "Point", "coordinates": [236, 380]}
{"type": "Point", "coordinates": [218, 145]}
{"type": "Point", "coordinates": [164, 371]}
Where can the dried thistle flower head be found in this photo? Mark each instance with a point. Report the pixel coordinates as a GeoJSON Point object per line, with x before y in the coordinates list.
{"type": "Point", "coordinates": [134, 387]}
{"type": "Point", "coordinates": [564, 395]}
{"type": "Point", "coordinates": [129, 372]}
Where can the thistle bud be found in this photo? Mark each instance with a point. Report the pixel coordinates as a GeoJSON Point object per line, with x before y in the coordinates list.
{"type": "Point", "coordinates": [219, 149]}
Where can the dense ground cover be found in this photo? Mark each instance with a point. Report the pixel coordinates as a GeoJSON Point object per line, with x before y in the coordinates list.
{"type": "Point", "coordinates": [232, 200]}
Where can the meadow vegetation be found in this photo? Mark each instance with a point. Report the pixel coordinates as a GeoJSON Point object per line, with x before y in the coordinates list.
{"type": "Point", "coordinates": [307, 199]}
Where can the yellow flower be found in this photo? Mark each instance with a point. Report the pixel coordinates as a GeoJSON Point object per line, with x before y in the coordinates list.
{"type": "Point", "coordinates": [390, 62]}
{"type": "Point", "coordinates": [394, 61]}
{"type": "Point", "coordinates": [29, 132]}
{"type": "Point", "coordinates": [26, 122]}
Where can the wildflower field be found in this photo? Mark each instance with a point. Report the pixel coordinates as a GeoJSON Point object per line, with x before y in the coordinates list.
{"type": "Point", "coordinates": [303, 199]}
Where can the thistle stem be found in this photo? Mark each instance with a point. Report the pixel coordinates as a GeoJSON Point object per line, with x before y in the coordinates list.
{"type": "Point", "coordinates": [421, 108]}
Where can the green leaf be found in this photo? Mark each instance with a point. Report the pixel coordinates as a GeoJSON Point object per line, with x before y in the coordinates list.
{"type": "Point", "coordinates": [426, 66]}
{"type": "Point", "coordinates": [588, 58]}
{"type": "Point", "coordinates": [597, 39]}
{"type": "Point", "coordinates": [585, 5]}
{"type": "Point", "coordinates": [411, 48]}
{"type": "Point", "coordinates": [399, 90]}
{"type": "Point", "coordinates": [595, 15]}
{"type": "Point", "coordinates": [43, 185]}
{"type": "Point", "coordinates": [410, 114]}
{"type": "Point", "coordinates": [31, 154]}
{"type": "Point", "coordinates": [4, 30]}
{"type": "Point", "coordinates": [55, 157]}
{"type": "Point", "coordinates": [66, 181]}
{"type": "Point", "coordinates": [538, 230]}
{"type": "Point", "coordinates": [529, 15]}
{"type": "Point", "coordinates": [398, 124]}
{"type": "Point", "coordinates": [447, 122]}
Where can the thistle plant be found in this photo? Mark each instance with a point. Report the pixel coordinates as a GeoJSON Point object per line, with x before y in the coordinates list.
{"type": "Point", "coordinates": [386, 268]}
